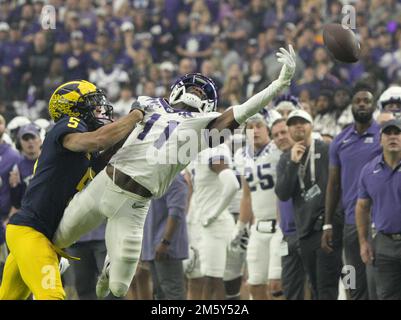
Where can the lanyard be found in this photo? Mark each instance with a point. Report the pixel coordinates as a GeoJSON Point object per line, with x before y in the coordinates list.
{"type": "Point", "coordinates": [302, 168]}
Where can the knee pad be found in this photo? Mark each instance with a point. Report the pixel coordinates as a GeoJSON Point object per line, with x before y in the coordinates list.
{"type": "Point", "coordinates": [131, 248]}
{"type": "Point", "coordinates": [118, 289]}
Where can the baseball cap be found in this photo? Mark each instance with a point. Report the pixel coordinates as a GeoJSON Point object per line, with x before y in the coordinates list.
{"type": "Point", "coordinates": [391, 123]}
{"type": "Point", "coordinates": [4, 26]}
{"type": "Point", "coordinates": [77, 34]}
{"type": "Point", "coordinates": [127, 26]}
{"type": "Point", "coordinates": [167, 66]}
{"type": "Point", "coordinates": [28, 129]}
{"type": "Point", "coordinates": [299, 114]}
{"type": "Point", "coordinates": [257, 118]}
{"type": "Point", "coordinates": [253, 42]}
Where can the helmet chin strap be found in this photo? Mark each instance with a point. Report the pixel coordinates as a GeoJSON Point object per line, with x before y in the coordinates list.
{"type": "Point", "coordinates": [192, 101]}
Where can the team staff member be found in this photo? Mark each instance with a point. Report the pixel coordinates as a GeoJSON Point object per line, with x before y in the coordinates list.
{"type": "Point", "coordinates": [380, 193]}
{"type": "Point", "coordinates": [80, 110]}
{"type": "Point", "coordinates": [349, 152]}
{"type": "Point", "coordinates": [293, 273]}
{"type": "Point", "coordinates": [302, 175]}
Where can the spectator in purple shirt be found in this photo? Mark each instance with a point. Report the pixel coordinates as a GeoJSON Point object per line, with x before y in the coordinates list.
{"type": "Point", "coordinates": [36, 62]}
{"type": "Point", "coordinates": [165, 241]}
{"type": "Point", "coordinates": [280, 14]}
{"type": "Point", "coordinates": [30, 143]}
{"type": "Point", "coordinates": [379, 201]}
{"type": "Point", "coordinates": [195, 44]}
{"type": "Point", "coordinates": [77, 62]}
{"type": "Point", "coordinates": [8, 158]}
{"type": "Point", "coordinates": [355, 146]}
{"type": "Point", "coordinates": [11, 64]}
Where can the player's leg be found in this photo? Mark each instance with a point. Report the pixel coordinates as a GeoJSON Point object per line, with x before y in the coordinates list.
{"type": "Point", "coordinates": [275, 284]}
{"type": "Point", "coordinates": [215, 239]}
{"type": "Point", "coordinates": [124, 232]}
{"type": "Point", "coordinates": [192, 265]}
{"type": "Point", "coordinates": [233, 274]}
{"type": "Point", "coordinates": [13, 286]}
{"type": "Point", "coordinates": [37, 261]}
{"type": "Point", "coordinates": [293, 273]}
{"type": "Point", "coordinates": [258, 264]}
{"type": "Point", "coordinates": [82, 213]}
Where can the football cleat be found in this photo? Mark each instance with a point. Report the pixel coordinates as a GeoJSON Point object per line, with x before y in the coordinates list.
{"type": "Point", "coordinates": [102, 285]}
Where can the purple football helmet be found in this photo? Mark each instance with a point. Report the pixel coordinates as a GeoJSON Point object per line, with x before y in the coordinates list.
{"type": "Point", "coordinates": [180, 92]}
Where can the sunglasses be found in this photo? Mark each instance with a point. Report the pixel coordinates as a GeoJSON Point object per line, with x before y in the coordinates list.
{"type": "Point", "coordinates": [27, 137]}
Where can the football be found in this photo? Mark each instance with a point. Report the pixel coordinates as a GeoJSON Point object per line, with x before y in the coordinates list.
{"type": "Point", "coordinates": [341, 42]}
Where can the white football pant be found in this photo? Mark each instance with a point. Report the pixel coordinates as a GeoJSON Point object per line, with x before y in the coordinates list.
{"type": "Point", "coordinates": [125, 213]}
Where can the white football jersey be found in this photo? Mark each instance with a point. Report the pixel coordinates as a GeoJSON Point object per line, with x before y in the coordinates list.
{"type": "Point", "coordinates": [238, 166]}
{"type": "Point", "coordinates": [162, 145]}
{"type": "Point", "coordinates": [206, 184]}
{"type": "Point", "coordinates": [260, 173]}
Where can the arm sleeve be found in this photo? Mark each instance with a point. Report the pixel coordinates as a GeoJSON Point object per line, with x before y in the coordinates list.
{"type": "Point", "coordinates": [256, 103]}
{"type": "Point", "coordinates": [287, 178]}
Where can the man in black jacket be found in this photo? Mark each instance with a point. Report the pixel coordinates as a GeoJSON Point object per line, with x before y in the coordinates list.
{"type": "Point", "coordinates": [302, 175]}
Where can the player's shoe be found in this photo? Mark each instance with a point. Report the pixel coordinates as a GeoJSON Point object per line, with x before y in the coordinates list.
{"type": "Point", "coordinates": [102, 285]}
{"type": "Point", "coordinates": [63, 265]}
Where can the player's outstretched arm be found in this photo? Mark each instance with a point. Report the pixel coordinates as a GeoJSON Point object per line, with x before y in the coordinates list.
{"type": "Point", "coordinates": [104, 137]}
{"type": "Point", "coordinates": [237, 115]}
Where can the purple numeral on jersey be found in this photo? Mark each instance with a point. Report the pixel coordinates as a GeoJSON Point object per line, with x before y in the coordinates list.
{"type": "Point", "coordinates": [166, 134]}
{"type": "Point", "coordinates": [148, 125]}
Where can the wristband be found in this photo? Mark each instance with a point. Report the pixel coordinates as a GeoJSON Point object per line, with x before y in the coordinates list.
{"type": "Point", "coordinates": [327, 227]}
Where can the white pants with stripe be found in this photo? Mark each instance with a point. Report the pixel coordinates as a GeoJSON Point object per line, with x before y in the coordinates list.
{"type": "Point", "coordinates": [125, 213]}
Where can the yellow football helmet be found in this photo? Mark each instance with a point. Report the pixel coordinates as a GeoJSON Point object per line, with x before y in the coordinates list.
{"type": "Point", "coordinates": [80, 99]}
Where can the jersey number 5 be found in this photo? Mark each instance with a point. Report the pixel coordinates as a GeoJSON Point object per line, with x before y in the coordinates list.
{"type": "Point", "coordinates": [73, 122]}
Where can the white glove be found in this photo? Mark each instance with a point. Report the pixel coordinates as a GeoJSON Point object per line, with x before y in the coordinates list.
{"type": "Point", "coordinates": [240, 238]}
{"type": "Point", "coordinates": [287, 58]}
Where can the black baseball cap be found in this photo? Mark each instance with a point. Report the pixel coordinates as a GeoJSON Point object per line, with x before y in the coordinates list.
{"type": "Point", "coordinates": [391, 123]}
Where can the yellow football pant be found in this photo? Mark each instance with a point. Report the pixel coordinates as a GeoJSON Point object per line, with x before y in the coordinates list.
{"type": "Point", "coordinates": [32, 266]}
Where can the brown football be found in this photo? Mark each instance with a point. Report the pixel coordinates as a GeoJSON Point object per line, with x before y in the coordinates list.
{"type": "Point", "coordinates": [341, 42]}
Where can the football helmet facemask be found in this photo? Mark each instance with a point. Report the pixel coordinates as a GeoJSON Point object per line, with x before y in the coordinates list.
{"type": "Point", "coordinates": [81, 99]}
{"type": "Point", "coordinates": [183, 90]}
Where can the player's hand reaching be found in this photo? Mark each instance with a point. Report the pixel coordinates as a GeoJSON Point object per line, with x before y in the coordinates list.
{"type": "Point", "coordinates": [137, 106]}
{"type": "Point", "coordinates": [287, 58]}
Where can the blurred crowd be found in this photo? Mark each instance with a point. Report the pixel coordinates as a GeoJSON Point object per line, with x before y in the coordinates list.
{"type": "Point", "coordinates": [138, 47]}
